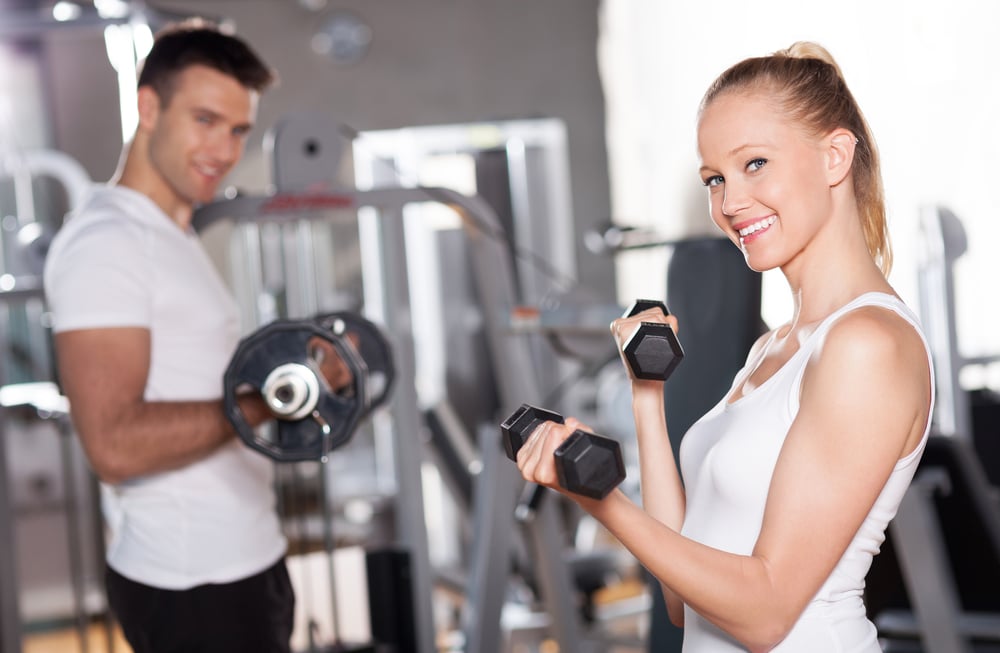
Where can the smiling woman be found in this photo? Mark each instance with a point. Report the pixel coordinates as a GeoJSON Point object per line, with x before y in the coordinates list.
{"type": "Point", "coordinates": [806, 85]}
{"type": "Point", "coordinates": [766, 543]}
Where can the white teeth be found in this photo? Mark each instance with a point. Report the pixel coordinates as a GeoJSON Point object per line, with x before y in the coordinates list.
{"type": "Point", "coordinates": [757, 226]}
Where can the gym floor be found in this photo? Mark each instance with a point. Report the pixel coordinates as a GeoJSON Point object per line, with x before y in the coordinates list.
{"type": "Point", "coordinates": [68, 641]}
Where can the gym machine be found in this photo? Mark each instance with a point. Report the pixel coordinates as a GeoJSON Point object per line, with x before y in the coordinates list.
{"type": "Point", "coordinates": [933, 586]}
{"type": "Point", "coordinates": [305, 151]}
{"type": "Point", "coordinates": [387, 301]}
{"type": "Point", "coordinates": [943, 549]}
{"type": "Point", "coordinates": [10, 609]}
{"type": "Point", "coordinates": [943, 242]}
{"type": "Point", "coordinates": [389, 241]}
{"type": "Point", "coordinates": [45, 185]}
{"type": "Point", "coordinates": [517, 600]}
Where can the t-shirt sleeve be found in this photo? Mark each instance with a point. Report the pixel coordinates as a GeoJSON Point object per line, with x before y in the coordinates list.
{"type": "Point", "coordinates": [100, 276]}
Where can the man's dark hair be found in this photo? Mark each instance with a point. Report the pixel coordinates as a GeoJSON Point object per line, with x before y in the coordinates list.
{"type": "Point", "coordinates": [182, 45]}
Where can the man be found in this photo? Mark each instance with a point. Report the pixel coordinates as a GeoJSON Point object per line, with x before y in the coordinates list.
{"type": "Point", "coordinates": [144, 331]}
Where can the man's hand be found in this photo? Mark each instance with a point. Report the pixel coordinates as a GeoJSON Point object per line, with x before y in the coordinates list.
{"type": "Point", "coordinates": [337, 372]}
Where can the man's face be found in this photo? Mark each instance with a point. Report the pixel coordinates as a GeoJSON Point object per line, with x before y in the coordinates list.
{"type": "Point", "coordinates": [198, 134]}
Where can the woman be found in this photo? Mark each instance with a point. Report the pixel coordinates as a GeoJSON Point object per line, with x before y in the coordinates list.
{"type": "Point", "coordinates": [790, 481]}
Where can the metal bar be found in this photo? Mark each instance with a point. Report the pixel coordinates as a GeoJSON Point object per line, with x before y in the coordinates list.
{"type": "Point", "coordinates": [408, 452]}
{"type": "Point", "coordinates": [924, 565]}
{"type": "Point", "coordinates": [77, 580]}
{"type": "Point", "coordinates": [253, 272]}
{"type": "Point", "coordinates": [497, 488]}
{"type": "Point", "coordinates": [23, 23]}
{"type": "Point", "coordinates": [457, 457]}
{"type": "Point", "coordinates": [981, 360]}
{"type": "Point", "coordinates": [10, 610]}
{"type": "Point", "coordinates": [545, 535]}
{"type": "Point", "coordinates": [329, 544]}
{"type": "Point", "coordinates": [30, 23]}
{"type": "Point", "coordinates": [942, 244]}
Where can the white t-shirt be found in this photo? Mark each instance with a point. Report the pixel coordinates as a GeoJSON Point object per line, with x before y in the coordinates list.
{"type": "Point", "coordinates": [119, 261]}
{"type": "Point", "coordinates": [728, 458]}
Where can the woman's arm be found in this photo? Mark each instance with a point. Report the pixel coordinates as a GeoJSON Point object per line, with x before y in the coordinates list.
{"type": "Point", "coordinates": [663, 495]}
{"type": "Point", "coordinates": [864, 403]}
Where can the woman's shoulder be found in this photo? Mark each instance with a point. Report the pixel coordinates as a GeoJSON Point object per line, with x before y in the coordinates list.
{"type": "Point", "coordinates": [876, 315]}
{"type": "Point", "coordinates": [882, 334]}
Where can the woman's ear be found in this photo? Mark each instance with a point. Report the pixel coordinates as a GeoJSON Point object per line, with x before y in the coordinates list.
{"type": "Point", "coordinates": [149, 107]}
{"type": "Point", "coordinates": [840, 144]}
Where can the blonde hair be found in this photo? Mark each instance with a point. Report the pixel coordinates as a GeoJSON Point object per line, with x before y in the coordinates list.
{"type": "Point", "coordinates": [811, 88]}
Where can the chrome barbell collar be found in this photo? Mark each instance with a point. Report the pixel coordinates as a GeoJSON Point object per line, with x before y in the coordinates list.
{"type": "Point", "coordinates": [291, 391]}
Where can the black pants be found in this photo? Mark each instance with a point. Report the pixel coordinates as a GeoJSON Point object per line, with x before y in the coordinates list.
{"type": "Point", "coordinates": [253, 615]}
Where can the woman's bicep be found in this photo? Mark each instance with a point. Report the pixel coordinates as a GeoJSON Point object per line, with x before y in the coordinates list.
{"type": "Point", "coordinates": [862, 405]}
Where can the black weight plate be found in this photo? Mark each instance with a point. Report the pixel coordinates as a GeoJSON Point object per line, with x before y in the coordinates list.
{"type": "Point", "coordinates": [309, 438]}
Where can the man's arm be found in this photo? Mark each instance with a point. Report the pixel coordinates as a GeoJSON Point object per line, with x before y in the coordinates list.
{"type": "Point", "coordinates": [103, 373]}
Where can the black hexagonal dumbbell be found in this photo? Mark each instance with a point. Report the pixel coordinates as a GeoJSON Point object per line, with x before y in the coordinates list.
{"type": "Point", "coordinates": [653, 351]}
{"type": "Point", "coordinates": [586, 463]}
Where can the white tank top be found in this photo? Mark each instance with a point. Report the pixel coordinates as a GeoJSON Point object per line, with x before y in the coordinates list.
{"type": "Point", "coordinates": [727, 460]}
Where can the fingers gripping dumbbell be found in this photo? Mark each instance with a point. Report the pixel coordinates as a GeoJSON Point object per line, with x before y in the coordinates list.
{"type": "Point", "coordinates": [586, 463]}
{"type": "Point", "coordinates": [653, 351]}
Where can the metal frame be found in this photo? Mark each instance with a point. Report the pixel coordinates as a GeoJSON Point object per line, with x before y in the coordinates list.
{"type": "Point", "coordinates": [22, 167]}
{"type": "Point", "coordinates": [24, 23]}
{"type": "Point", "coordinates": [389, 303]}
{"type": "Point", "coordinates": [944, 242]}
{"type": "Point", "coordinates": [924, 565]}
{"type": "Point", "coordinates": [938, 617]}
{"type": "Point", "coordinates": [10, 612]}
{"type": "Point", "coordinates": [498, 483]}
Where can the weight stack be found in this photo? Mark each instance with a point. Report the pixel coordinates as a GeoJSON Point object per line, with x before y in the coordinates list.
{"type": "Point", "coordinates": [390, 600]}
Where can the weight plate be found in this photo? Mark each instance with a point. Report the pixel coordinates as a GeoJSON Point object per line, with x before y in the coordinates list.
{"type": "Point", "coordinates": [292, 345]}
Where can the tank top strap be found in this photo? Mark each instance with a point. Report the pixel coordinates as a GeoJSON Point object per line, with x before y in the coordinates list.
{"type": "Point", "coordinates": [880, 299]}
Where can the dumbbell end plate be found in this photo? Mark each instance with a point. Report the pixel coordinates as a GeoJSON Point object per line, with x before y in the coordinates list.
{"type": "Point", "coordinates": [653, 352]}
{"type": "Point", "coordinates": [589, 464]}
{"type": "Point", "coordinates": [517, 428]}
{"type": "Point", "coordinates": [640, 305]}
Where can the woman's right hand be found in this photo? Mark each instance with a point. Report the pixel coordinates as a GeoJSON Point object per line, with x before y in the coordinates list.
{"type": "Point", "coordinates": [624, 327]}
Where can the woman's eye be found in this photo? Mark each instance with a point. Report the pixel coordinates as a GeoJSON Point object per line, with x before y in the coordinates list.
{"type": "Point", "coordinates": [714, 180]}
{"type": "Point", "coordinates": [755, 164]}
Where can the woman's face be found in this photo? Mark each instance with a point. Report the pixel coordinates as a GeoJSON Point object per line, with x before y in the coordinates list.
{"type": "Point", "coordinates": [766, 176]}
